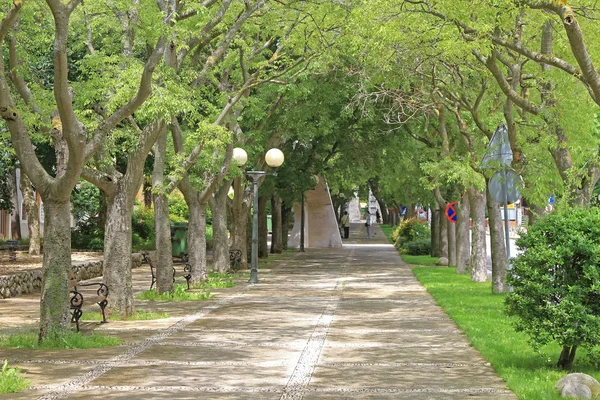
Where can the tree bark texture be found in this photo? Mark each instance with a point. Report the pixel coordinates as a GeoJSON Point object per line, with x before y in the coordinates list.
{"type": "Point", "coordinates": [33, 215]}
{"type": "Point", "coordinates": [286, 213]}
{"type": "Point", "coordinates": [164, 260]}
{"type": "Point", "coordinates": [196, 240]}
{"type": "Point", "coordinates": [56, 268]}
{"type": "Point", "coordinates": [463, 245]}
{"type": "Point", "coordinates": [218, 206]}
{"type": "Point", "coordinates": [443, 235]}
{"type": "Point", "coordinates": [567, 356]}
{"type": "Point", "coordinates": [263, 248]}
{"type": "Point", "coordinates": [276, 226]}
{"type": "Point", "coordinates": [498, 245]}
{"type": "Point", "coordinates": [117, 253]}
{"type": "Point", "coordinates": [15, 215]}
{"type": "Point", "coordinates": [478, 262]}
{"type": "Point", "coordinates": [435, 233]}
{"type": "Point", "coordinates": [240, 210]}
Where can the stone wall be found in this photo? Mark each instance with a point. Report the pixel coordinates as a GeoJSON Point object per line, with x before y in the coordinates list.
{"type": "Point", "coordinates": [31, 280]}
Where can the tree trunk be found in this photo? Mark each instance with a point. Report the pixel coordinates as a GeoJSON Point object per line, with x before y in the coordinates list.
{"type": "Point", "coordinates": [164, 260]}
{"type": "Point", "coordinates": [435, 233]}
{"type": "Point", "coordinates": [263, 248]}
{"type": "Point", "coordinates": [286, 213]}
{"type": "Point", "coordinates": [567, 356]}
{"type": "Point", "coordinates": [478, 232]}
{"type": "Point", "coordinates": [410, 211]}
{"type": "Point", "coordinates": [384, 211]}
{"type": "Point", "coordinates": [276, 227]}
{"type": "Point", "coordinates": [147, 193]}
{"type": "Point", "coordinates": [117, 254]}
{"type": "Point", "coordinates": [15, 215]}
{"type": "Point", "coordinates": [498, 247]}
{"type": "Point", "coordinates": [451, 227]}
{"type": "Point", "coordinates": [196, 238]}
{"type": "Point", "coordinates": [56, 268]}
{"type": "Point", "coordinates": [218, 206]}
{"type": "Point", "coordinates": [443, 235]}
{"type": "Point", "coordinates": [240, 210]}
{"type": "Point", "coordinates": [33, 215]}
{"type": "Point", "coordinates": [463, 253]}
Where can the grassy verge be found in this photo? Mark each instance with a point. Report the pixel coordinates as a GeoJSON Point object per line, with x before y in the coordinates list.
{"type": "Point", "coordinates": [141, 315]}
{"type": "Point", "coordinates": [387, 230]}
{"type": "Point", "coordinates": [28, 339]}
{"type": "Point", "coordinates": [178, 294]}
{"type": "Point", "coordinates": [10, 380]}
{"type": "Point", "coordinates": [480, 314]}
{"type": "Point", "coordinates": [419, 260]}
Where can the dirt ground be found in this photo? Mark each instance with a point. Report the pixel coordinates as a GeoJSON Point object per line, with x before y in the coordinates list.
{"type": "Point", "coordinates": [25, 261]}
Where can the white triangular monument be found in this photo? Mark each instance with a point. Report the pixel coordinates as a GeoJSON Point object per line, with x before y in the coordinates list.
{"type": "Point", "coordinates": [320, 225]}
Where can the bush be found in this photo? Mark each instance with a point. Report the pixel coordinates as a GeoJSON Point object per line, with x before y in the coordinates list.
{"type": "Point", "coordinates": [556, 282]}
{"type": "Point", "coordinates": [410, 230]}
{"type": "Point", "coordinates": [419, 247]}
{"type": "Point", "coordinates": [10, 380]}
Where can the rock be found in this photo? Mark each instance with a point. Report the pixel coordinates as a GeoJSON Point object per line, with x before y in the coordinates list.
{"type": "Point", "coordinates": [578, 385]}
{"type": "Point", "coordinates": [442, 262]}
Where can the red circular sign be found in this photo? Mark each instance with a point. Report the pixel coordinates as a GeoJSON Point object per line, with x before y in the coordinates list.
{"type": "Point", "coordinates": [451, 211]}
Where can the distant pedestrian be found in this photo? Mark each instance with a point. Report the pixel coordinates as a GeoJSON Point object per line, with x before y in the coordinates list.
{"type": "Point", "coordinates": [368, 224]}
{"type": "Point", "coordinates": [346, 224]}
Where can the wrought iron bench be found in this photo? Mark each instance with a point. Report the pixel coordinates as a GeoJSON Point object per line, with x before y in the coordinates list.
{"type": "Point", "coordinates": [186, 272]}
{"type": "Point", "coordinates": [235, 259]}
{"type": "Point", "coordinates": [78, 299]}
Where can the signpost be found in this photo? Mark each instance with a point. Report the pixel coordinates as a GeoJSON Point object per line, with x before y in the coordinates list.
{"type": "Point", "coordinates": [451, 211]}
{"type": "Point", "coordinates": [504, 185]}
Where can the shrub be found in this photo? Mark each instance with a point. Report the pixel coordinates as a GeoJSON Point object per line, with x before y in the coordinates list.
{"type": "Point", "coordinates": [408, 231]}
{"type": "Point", "coordinates": [556, 281]}
{"type": "Point", "coordinates": [419, 247]}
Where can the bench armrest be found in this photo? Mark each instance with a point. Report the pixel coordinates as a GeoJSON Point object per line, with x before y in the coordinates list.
{"type": "Point", "coordinates": [102, 288]}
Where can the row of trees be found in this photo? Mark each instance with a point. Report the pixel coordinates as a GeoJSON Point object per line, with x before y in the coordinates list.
{"type": "Point", "coordinates": [402, 96]}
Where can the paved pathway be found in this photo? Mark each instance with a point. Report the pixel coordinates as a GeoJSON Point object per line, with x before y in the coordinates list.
{"type": "Point", "coordinates": [351, 323]}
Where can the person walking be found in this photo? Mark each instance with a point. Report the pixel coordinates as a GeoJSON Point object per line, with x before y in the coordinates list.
{"type": "Point", "coordinates": [368, 224]}
{"type": "Point", "coordinates": [346, 224]}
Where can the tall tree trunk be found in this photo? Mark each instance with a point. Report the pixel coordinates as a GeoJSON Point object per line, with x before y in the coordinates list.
{"type": "Point", "coordinates": [463, 253]}
{"type": "Point", "coordinates": [263, 248]}
{"type": "Point", "coordinates": [443, 235]}
{"type": "Point", "coordinates": [276, 227]}
{"type": "Point", "coordinates": [147, 190]}
{"type": "Point", "coordinates": [410, 211]}
{"type": "Point", "coordinates": [498, 245]}
{"type": "Point", "coordinates": [15, 215]}
{"type": "Point", "coordinates": [56, 268]}
{"type": "Point", "coordinates": [218, 206]}
{"type": "Point", "coordinates": [239, 218]}
{"type": "Point", "coordinates": [435, 233]}
{"type": "Point", "coordinates": [478, 232]}
{"type": "Point", "coordinates": [164, 260]}
{"type": "Point", "coordinates": [196, 238]}
{"type": "Point", "coordinates": [451, 227]}
{"type": "Point", "coordinates": [286, 213]}
{"type": "Point", "coordinates": [117, 253]}
{"type": "Point", "coordinates": [33, 215]}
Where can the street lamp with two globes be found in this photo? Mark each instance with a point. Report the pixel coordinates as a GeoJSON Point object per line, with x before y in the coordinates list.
{"type": "Point", "coordinates": [274, 158]}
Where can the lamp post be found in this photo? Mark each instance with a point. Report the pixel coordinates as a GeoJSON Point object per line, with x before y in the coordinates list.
{"type": "Point", "coordinates": [274, 158]}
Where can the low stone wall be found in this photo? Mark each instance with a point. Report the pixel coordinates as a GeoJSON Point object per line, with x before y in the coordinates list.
{"type": "Point", "coordinates": [31, 280]}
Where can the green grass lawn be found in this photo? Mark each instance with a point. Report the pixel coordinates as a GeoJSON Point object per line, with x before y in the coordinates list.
{"type": "Point", "coordinates": [28, 339]}
{"type": "Point", "coordinates": [480, 314]}
{"type": "Point", "coordinates": [387, 230]}
{"type": "Point", "coordinates": [419, 260]}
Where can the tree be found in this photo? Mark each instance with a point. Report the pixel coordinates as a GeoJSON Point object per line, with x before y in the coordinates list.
{"type": "Point", "coordinates": [75, 141]}
{"type": "Point", "coordinates": [556, 281]}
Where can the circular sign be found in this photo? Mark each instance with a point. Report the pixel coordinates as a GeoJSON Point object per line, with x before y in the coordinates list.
{"type": "Point", "coordinates": [451, 211]}
{"type": "Point", "coordinates": [506, 186]}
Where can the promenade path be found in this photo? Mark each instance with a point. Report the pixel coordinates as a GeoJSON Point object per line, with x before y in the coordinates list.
{"type": "Point", "coordinates": [349, 323]}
